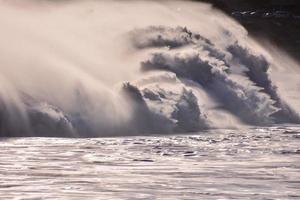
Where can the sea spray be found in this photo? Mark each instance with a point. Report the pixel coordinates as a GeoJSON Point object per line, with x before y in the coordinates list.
{"type": "Point", "coordinates": [112, 68]}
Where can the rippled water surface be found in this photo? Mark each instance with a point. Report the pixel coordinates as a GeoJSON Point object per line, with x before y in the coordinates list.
{"type": "Point", "coordinates": [257, 163]}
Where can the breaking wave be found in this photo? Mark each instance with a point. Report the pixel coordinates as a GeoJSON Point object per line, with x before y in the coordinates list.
{"type": "Point", "coordinates": [106, 69]}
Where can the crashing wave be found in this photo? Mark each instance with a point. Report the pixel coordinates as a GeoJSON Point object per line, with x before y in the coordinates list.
{"type": "Point", "coordinates": [171, 79]}
{"type": "Point", "coordinates": [210, 69]}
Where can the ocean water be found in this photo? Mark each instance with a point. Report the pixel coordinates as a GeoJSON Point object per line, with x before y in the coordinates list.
{"type": "Point", "coordinates": [143, 100]}
{"type": "Point", "coordinates": [256, 163]}
{"type": "Point", "coordinates": [119, 68]}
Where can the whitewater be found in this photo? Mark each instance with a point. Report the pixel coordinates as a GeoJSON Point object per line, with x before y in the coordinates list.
{"type": "Point", "coordinates": [128, 99]}
{"type": "Point", "coordinates": [112, 68]}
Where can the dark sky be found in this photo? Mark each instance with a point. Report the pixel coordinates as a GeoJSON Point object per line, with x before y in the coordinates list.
{"type": "Point", "coordinates": [230, 5]}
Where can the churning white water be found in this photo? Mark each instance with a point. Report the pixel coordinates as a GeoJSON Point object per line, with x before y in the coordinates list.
{"type": "Point", "coordinates": [109, 68]}
{"type": "Point", "coordinates": [97, 68]}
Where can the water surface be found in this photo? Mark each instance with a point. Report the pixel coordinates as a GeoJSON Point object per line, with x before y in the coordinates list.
{"type": "Point", "coordinates": [259, 163]}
